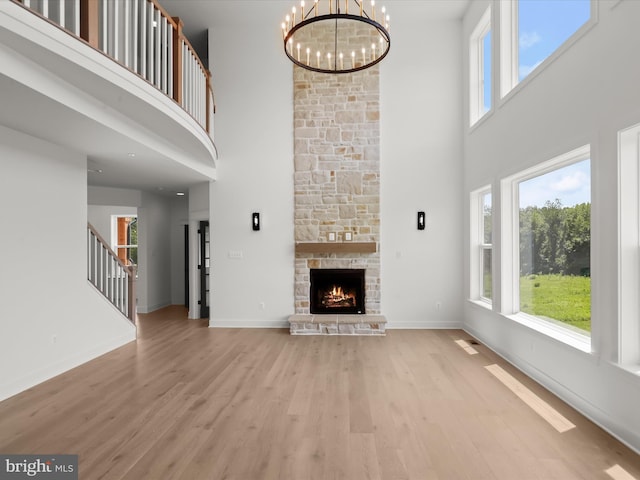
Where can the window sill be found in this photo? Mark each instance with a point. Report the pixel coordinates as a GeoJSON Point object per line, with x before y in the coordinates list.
{"type": "Point", "coordinates": [481, 303]}
{"type": "Point", "coordinates": [633, 369]}
{"type": "Point", "coordinates": [575, 339]}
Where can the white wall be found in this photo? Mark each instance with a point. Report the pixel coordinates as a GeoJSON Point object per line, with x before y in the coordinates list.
{"type": "Point", "coordinates": [420, 170]}
{"type": "Point", "coordinates": [156, 240]}
{"type": "Point", "coordinates": [585, 96]}
{"type": "Point", "coordinates": [51, 318]}
{"type": "Point", "coordinates": [254, 136]}
{"type": "Point", "coordinates": [154, 252]}
{"type": "Point", "coordinates": [100, 217]}
{"type": "Point", "coordinates": [179, 218]}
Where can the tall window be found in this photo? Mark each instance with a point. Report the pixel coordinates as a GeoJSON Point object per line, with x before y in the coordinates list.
{"type": "Point", "coordinates": [126, 245]}
{"type": "Point", "coordinates": [482, 245]}
{"type": "Point", "coordinates": [480, 68]}
{"type": "Point", "coordinates": [629, 246]}
{"type": "Point", "coordinates": [532, 30]}
{"type": "Point", "coordinates": [554, 245]}
{"type": "Point", "coordinates": [486, 247]}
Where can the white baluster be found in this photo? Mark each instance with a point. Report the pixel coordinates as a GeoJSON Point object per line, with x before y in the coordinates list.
{"type": "Point", "coordinates": [170, 60]}
{"type": "Point", "coordinates": [136, 14]}
{"type": "Point", "coordinates": [116, 31]}
{"type": "Point", "coordinates": [150, 44]}
{"type": "Point", "coordinates": [45, 8]}
{"type": "Point", "coordinates": [104, 38]}
{"type": "Point", "coordinates": [163, 55]}
{"type": "Point", "coordinates": [76, 17]}
{"type": "Point", "coordinates": [144, 54]}
{"type": "Point", "coordinates": [185, 62]}
{"type": "Point", "coordinates": [158, 49]}
{"type": "Point", "coordinates": [128, 27]}
{"type": "Point", "coordinates": [61, 14]}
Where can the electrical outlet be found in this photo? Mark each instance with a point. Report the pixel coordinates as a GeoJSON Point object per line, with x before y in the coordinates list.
{"type": "Point", "coordinates": [438, 306]}
{"type": "Point", "coordinates": [54, 339]}
{"type": "Point", "coordinates": [262, 306]}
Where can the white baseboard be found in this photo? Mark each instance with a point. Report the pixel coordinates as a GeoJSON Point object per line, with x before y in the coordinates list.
{"type": "Point", "coordinates": [630, 438]}
{"type": "Point", "coordinates": [151, 308]}
{"type": "Point", "coordinates": [248, 323]}
{"type": "Point", "coordinates": [65, 364]}
{"type": "Point", "coordinates": [424, 325]}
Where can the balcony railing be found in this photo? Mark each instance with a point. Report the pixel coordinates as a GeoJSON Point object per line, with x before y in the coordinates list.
{"type": "Point", "coordinates": [143, 37]}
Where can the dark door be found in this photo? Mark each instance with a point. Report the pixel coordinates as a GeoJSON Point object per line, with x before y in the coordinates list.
{"type": "Point", "coordinates": [203, 266]}
{"type": "Point", "coordinates": [186, 266]}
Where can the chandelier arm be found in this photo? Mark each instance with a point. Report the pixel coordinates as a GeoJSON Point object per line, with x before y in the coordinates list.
{"type": "Point", "coordinates": [335, 44]}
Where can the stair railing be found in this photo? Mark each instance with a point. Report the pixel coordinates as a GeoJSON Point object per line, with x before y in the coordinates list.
{"type": "Point", "coordinates": [143, 37]}
{"type": "Point", "coordinates": [110, 275]}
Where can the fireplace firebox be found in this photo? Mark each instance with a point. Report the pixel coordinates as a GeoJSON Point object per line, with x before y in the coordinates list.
{"type": "Point", "coordinates": [337, 291]}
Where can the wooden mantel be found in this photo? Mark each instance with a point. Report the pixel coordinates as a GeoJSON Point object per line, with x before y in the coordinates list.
{"type": "Point", "coordinates": [336, 247]}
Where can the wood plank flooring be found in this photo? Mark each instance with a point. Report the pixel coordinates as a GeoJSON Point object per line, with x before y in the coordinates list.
{"type": "Point", "coordinates": [189, 402]}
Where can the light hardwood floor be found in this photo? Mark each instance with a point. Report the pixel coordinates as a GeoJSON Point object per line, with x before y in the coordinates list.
{"type": "Point", "coordinates": [189, 402]}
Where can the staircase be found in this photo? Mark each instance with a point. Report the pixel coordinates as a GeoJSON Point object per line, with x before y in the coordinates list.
{"type": "Point", "coordinates": [110, 275]}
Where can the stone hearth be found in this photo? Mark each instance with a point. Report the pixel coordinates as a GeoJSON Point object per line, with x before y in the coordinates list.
{"type": "Point", "coordinates": [337, 325]}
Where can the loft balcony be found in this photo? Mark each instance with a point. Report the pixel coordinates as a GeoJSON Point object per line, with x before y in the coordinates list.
{"type": "Point", "coordinates": [116, 80]}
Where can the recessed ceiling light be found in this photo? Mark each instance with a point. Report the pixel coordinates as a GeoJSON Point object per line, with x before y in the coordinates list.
{"type": "Point", "coordinates": [131, 154]}
{"type": "Point", "coordinates": [180, 194]}
{"type": "Point", "coordinates": [160, 189]}
{"type": "Point", "coordinates": [99, 170]}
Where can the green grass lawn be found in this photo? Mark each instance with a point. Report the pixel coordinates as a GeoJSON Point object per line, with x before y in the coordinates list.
{"type": "Point", "coordinates": [565, 298]}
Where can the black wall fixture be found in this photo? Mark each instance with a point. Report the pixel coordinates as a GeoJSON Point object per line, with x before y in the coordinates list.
{"type": "Point", "coordinates": [421, 220]}
{"type": "Point", "coordinates": [255, 221]}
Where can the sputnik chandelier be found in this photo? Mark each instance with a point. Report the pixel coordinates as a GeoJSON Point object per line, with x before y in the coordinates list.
{"type": "Point", "coordinates": [336, 36]}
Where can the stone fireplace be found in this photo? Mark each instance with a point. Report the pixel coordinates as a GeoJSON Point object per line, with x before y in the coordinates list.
{"type": "Point", "coordinates": [337, 179]}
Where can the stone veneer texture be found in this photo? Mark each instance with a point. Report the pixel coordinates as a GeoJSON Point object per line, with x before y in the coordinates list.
{"type": "Point", "coordinates": [337, 173]}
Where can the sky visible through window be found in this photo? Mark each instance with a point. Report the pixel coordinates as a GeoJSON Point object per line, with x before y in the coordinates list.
{"type": "Point", "coordinates": [486, 70]}
{"type": "Point", "coordinates": [543, 26]}
{"type": "Point", "coordinates": [571, 185]}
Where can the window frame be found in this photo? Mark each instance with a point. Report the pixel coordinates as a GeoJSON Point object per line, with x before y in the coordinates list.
{"type": "Point", "coordinates": [114, 237]}
{"type": "Point", "coordinates": [478, 246]}
{"type": "Point", "coordinates": [510, 249]}
{"type": "Point", "coordinates": [476, 67]}
{"type": "Point", "coordinates": [509, 43]}
{"type": "Point", "coordinates": [629, 248]}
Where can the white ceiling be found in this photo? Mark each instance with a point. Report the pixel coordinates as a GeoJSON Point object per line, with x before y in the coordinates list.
{"type": "Point", "coordinates": [199, 15]}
